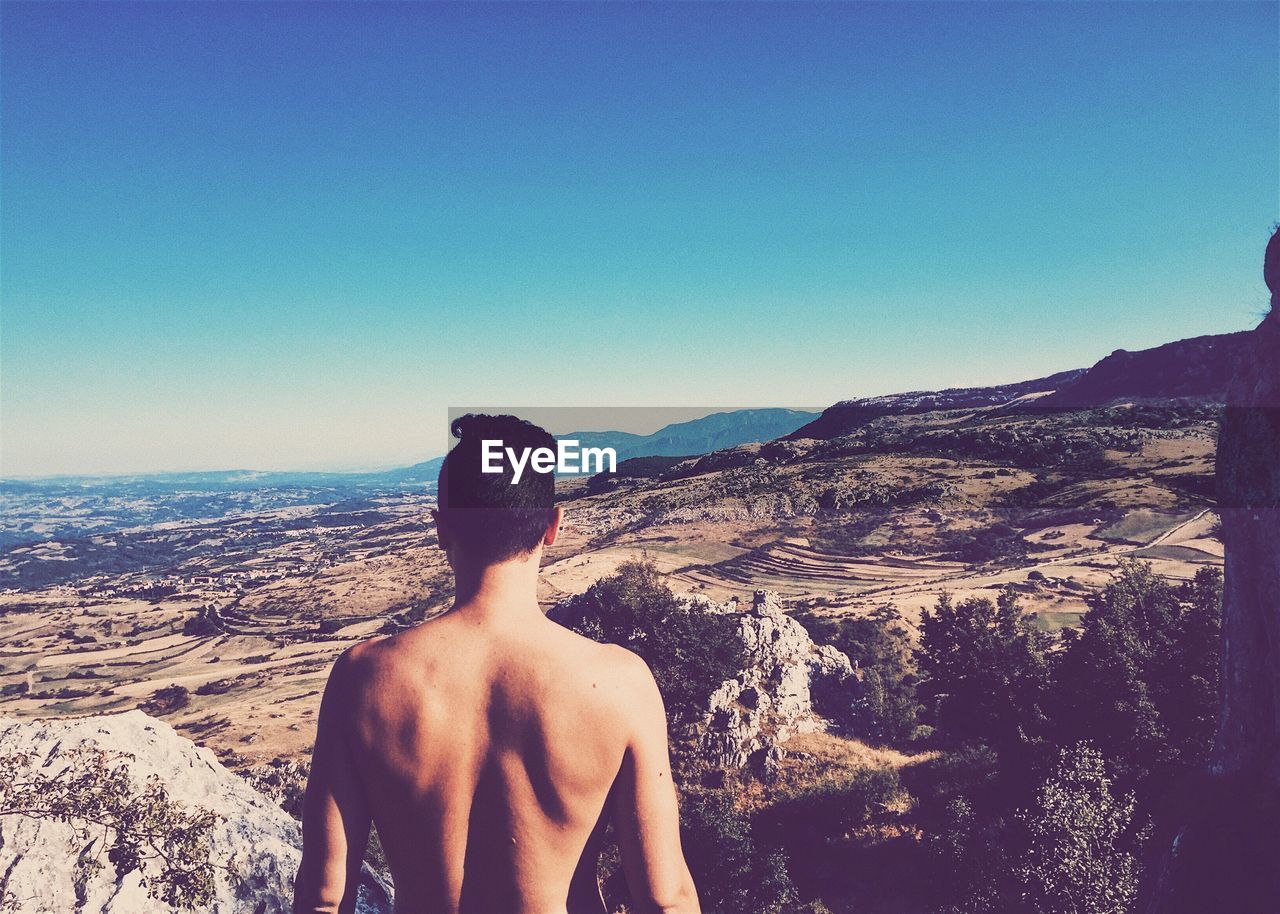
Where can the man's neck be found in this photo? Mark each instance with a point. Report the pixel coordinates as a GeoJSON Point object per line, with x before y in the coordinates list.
{"type": "Point", "coordinates": [503, 590]}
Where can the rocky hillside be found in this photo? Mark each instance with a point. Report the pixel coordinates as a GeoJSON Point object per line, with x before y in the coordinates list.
{"type": "Point", "coordinates": [848, 415]}
{"type": "Point", "coordinates": [50, 866]}
{"type": "Point", "coordinates": [1197, 370]}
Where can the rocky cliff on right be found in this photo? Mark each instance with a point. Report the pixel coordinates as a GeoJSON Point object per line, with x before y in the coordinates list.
{"type": "Point", "coordinates": [1226, 857]}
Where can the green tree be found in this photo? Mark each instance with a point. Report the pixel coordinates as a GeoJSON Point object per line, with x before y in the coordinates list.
{"type": "Point", "coordinates": [1074, 851]}
{"type": "Point", "coordinates": [1140, 679]}
{"type": "Point", "coordinates": [985, 672]}
{"type": "Point", "coordinates": [733, 875]}
{"type": "Point", "coordinates": [1080, 849]}
{"type": "Point", "coordinates": [882, 651]}
{"type": "Point", "coordinates": [969, 853]}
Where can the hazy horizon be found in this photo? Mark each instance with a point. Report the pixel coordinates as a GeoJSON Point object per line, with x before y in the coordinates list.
{"type": "Point", "coordinates": [287, 237]}
{"type": "Point", "coordinates": [557, 420]}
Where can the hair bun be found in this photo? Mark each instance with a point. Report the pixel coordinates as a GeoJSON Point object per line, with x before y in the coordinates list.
{"type": "Point", "coordinates": [479, 425]}
{"type": "Point", "coordinates": [476, 427]}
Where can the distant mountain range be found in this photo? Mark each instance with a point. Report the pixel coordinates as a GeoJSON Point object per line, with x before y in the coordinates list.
{"type": "Point", "coordinates": [681, 439]}
{"type": "Point", "coordinates": [700, 436]}
{"type": "Point", "coordinates": [235, 480]}
{"type": "Point", "coordinates": [1195, 370]}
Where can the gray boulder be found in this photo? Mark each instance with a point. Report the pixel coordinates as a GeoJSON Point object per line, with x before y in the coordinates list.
{"type": "Point", "coordinates": [42, 862]}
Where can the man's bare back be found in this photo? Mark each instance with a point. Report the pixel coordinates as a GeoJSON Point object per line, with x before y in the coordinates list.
{"type": "Point", "coordinates": [489, 747]}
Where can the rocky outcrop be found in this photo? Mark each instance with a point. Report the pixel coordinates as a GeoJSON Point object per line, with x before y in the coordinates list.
{"type": "Point", "coordinates": [1223, 856]}
{"type": "Point", "coordinates": [256, 845]}
{"type": "Point", "coordinates": [1249, 501]}
{"type": "Point", "coordinates": [787, 685]}
{"type": "Point", "coordinates": [1196, 369]}
{"type": "Point", "coordinates": [850, 415]}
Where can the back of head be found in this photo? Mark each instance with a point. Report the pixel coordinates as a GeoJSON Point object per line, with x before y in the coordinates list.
{"type": "Point", "coordinates": [484, 513]}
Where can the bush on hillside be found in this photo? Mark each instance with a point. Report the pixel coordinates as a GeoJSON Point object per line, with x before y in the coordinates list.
{"type": "Point", "coordinates": [882, 651]}
{"type": "Point", "coordinates": [985, 671]}
{"type": "Point", "coordinates": [140, 828]}
{"type": "Point", "coordinates": [1080, 850]}
{"type": "Point", "coordinates": [1140, 678]}
{"type": "Point", "coordinates": [732, 873]}
{"type": "Point", "coordinates": [1073, 851]}
{"type": "Point", "coordinates": [690, 648]}
{"type": "Point", "coordinates": [819, 824]}
{"type": "Point", "coordinates": [167, 700]}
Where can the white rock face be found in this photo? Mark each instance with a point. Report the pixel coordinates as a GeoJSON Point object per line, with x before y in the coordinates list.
{"type": "Point", "coordinates": [750, 716]}
{"type": "Point", "coordinates": [256, 840]}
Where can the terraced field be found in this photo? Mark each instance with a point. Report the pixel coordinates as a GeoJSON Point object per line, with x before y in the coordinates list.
{"type": "Point", "coordinates": [796, 569]}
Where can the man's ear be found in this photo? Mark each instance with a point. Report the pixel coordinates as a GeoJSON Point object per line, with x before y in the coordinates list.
{"type": "Point", "coordinates": [553, 528]}
{"type": "Point", "coordinates": [442, 530]}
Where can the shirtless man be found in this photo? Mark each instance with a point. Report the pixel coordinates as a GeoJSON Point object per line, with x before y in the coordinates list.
{"type": "Point", "coordinates": [490, 745]}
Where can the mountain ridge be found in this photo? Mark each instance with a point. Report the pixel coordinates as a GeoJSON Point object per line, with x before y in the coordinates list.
{"type": "Point", "coordinates": [712, 432]}
{"type": "Point", "coordinates": [1196, 369]}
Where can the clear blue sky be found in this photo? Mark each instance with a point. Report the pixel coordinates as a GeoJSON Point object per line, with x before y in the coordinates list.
{"type": "Point", "coordinates": [268, 236]}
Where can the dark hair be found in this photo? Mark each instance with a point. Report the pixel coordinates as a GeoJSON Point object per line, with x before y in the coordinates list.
{"type": "Point", "coordinates": [485, 513]}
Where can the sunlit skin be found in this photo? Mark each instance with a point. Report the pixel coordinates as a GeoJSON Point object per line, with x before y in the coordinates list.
{"type": "Point", "coordinates": [490, 746]}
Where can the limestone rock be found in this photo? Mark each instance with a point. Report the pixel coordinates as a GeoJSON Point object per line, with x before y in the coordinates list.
{"type": "Point", "coordinates": [1223, 856]}
{"type": "Point", "coordinates": [788, 685]}
{"type": "Point", "coordinates": [256, 840]}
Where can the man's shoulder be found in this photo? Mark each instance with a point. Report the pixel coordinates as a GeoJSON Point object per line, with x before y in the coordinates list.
{"type": "Point", "coordinates": [361, 663]}
{"type": "Point", "coordinates": [623, 669]}
{"type": "Point", "coordinates": [378, 673]}
{"type": "Point", "coordinates": [383, 652]}
{"type": "Point", "coordinates": [630, 665]}
{"type": "Point", "coordinates": [363, 654]}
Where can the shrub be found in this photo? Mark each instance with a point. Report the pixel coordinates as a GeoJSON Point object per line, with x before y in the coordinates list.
{"type": "Point", "coordinates": [880, 648]}
{"type": "Point", "coordinates": [832, 807]}
{"type": "Point", "coordinates": [733, 876]}
{"type": "Point", "coordinates": [971, 771]}
{"type": "Point", "coordinates": [690, 648]}
{"type": "Point", "coordinates": [1073, 852]}
{"type": "Point", "coordinates": [141, 828]}
{"type": "Point", "coordinates": [167, 700]}
{"type": "Point", "coordinates": [282, 780]}
{"type": "Point", "coordinates": [970, 873]}
{"type": "Point", "coordinates": [1078, 855]}
{"type": "Point", "coordinates": [206, 623]}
